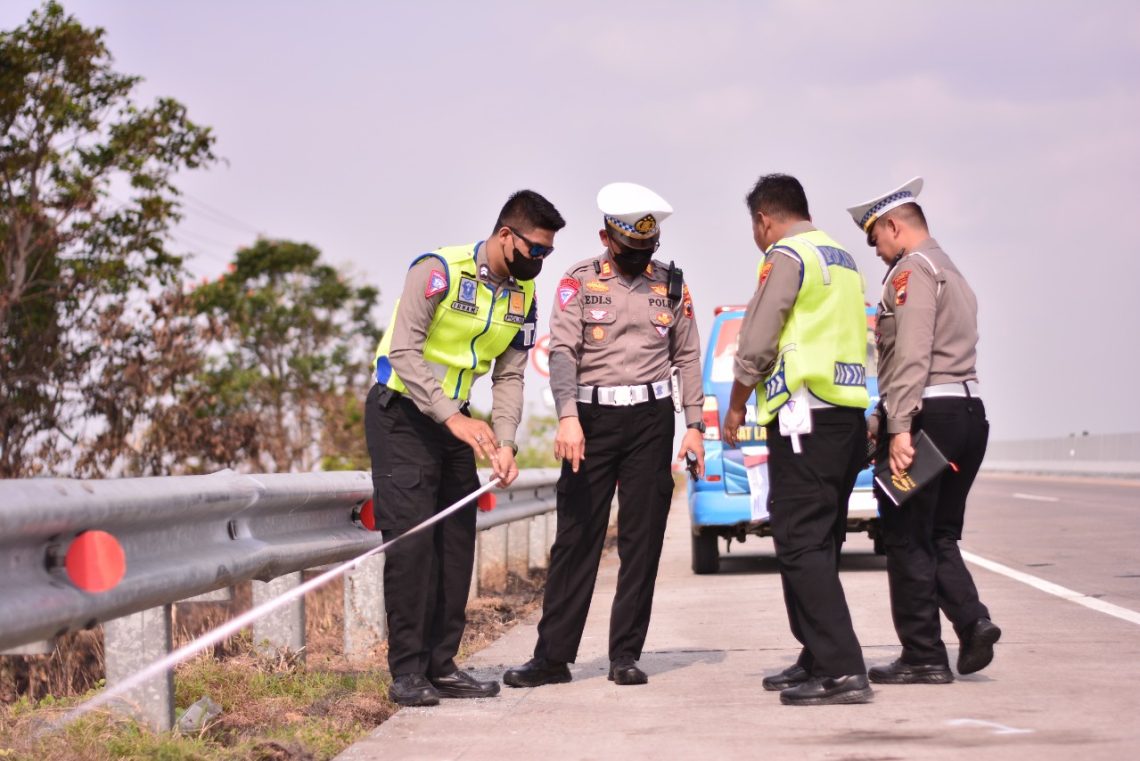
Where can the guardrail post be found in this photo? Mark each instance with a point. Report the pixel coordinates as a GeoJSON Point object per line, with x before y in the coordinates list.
{"type": "Point", "coordinates": [40, 647]}
{"type": "Point", "coordinates": [474, 591]}
{"type": "Point", "coordinates": [551, 531]}
{"type": "Point", "coordinates": [364, 622]}
{"type": "Point", "coordinates": [130, 644]}
{"type": "Point", "coordinates": [284, 628]}
{"type": "Point", "coordinates": [518, 547]}
{"type": "Point", "coordinates": [492, 564]}
{"type": "Point", "coordinates": [539, 554]}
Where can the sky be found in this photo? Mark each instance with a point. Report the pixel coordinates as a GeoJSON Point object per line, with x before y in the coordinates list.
{"type": "Point", "coordinates": [380, 130]}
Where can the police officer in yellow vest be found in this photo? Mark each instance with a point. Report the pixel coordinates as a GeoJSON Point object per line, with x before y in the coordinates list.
{"type": "Point", "coordinates": [927, 336]}
{"type": "Point", "coordinates": [803, 349]}
{"type": "Point", "coordinates": [462, 309]}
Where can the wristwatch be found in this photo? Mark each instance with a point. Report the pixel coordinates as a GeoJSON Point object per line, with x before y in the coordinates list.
{"type": "Point", "coordinates": [508, 443]}
{"type": "Point", "coordinates": [697, 426]}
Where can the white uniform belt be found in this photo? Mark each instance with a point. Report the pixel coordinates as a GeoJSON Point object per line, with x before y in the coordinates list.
{"type": "Point", "coordinates": [960, 388]}
{"type": "Point", "coordinates": [623, 396]}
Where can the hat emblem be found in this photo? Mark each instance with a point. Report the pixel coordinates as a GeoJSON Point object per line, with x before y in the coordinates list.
{"type": "Point", "coordinates": [645, 225]}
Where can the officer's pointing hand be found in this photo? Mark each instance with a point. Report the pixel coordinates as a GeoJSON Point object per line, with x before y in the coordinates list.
{"type": "Point", "coordinates": [693, 441]}
{"type": "Point", "coordinates": [477, 435]}
{"type": "Point", "coordinates": [730, 427]}
{"type": "Point", "coordinates": [570, 442]}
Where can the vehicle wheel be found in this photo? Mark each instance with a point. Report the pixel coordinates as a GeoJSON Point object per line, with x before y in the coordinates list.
{"type": "Point", "coordinates": [706, 553]}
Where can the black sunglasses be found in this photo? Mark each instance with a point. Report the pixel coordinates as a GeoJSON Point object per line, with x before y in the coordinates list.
{"type": "Point", "coordinates": [536, 250]}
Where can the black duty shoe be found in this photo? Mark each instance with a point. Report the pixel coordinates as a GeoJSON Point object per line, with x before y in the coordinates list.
{"type": "Point", "coordinates": [413, 690]}
{"type": "Point", "coordinates": [911, 673]}
{"type": "Point", "coordinates": [976, 648]}
{"type": "Point", "coordinates": [828, 690]}
{"type": "Point", "coordinates": [537, 672]}
{"type": "Point", "coordinates": [789, 677]}
{"type": "Point", "coordinates": [626, 672]}
{"type": "Point", "coordinates": [460, 684]}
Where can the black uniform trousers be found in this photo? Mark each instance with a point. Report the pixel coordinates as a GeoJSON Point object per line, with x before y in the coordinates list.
{"type": "Point", "coordinates": [807, 507]}
{"type": "Point", "coordinates": [628, 447]}
{"type": "Point", "coordinates": [418, 469]}
{"type": "Point", "coordinates": [924, 566]}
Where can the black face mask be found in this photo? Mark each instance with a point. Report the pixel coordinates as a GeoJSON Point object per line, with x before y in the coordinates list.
{"type": "Point", "coordinates": [522, 268]}
{"type": "Point", "coordinates": [632, 261]}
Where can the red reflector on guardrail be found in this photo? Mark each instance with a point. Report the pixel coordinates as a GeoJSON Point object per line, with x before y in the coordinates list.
{"type": "Point", "coordinates": [487, 502]}
{"type": "Point", "coordinates": [367, 516]}
{"type": "Point", "coordinates": [95, 561]}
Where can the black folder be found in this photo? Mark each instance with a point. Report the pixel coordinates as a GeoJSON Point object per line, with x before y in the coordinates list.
{"type": "Point", "coordinates": [928, 463]}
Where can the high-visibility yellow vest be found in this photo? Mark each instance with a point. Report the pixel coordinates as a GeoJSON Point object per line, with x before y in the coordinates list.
{"type": "Point", "coordinates": [824, 341]}
{"type": "Point", "coordinates": [472, 325]}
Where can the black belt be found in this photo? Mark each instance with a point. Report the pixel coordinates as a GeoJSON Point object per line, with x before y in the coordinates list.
{"type": "Point", "coordinates": [389, 396]}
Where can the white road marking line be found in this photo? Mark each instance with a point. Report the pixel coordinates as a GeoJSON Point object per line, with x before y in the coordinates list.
{"type": "Point", "coordinates": [1049, 587]}
{"type": "Point", "coordinates": [998, 729]}
{"type": "Point", "coordinates": [1034, 497]}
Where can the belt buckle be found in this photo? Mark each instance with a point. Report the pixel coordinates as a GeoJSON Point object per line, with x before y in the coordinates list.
{"type": "Point", "coordinates": [622, 396]}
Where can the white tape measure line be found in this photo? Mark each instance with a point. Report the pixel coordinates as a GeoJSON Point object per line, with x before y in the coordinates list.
{"type": "Point", "coordinates": [1049, 587]}
{"type": "Point", "coordinates": [230, 628]}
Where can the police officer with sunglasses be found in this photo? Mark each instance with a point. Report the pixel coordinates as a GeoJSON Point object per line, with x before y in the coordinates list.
{"type": "Point", "coordinates": [462, 309]}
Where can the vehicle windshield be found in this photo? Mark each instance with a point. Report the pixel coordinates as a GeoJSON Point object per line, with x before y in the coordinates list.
{"type": "Point", "coordinates": [725, 351]}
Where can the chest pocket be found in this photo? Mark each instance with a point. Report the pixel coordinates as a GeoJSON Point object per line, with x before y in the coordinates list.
{"type": "Point", "coordinates": [598, 325]}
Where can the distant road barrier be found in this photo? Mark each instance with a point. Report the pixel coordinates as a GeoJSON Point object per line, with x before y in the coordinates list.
{"type": "Point", "coordinates": [1114, 454]}
{"type": "Point", "coordinates": [152, 542]}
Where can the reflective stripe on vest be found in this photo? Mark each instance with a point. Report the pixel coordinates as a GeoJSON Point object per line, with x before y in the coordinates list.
{"type": "Point", "coordinates": [472, 325]}
{"type": "Point", "coordinates": [823, 344]}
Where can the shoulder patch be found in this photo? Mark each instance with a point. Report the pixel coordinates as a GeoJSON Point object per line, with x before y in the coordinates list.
{"type": "Point", "coordinates": [567, 291]}
{"type": "Point", "coordinates": [765, 271]}
{"type": "Point", "coordinates": [687, 301]}
{"type": "Point", "coordinates": [437, 283]}
{"type": "Point", "coordinates": [899, 283]}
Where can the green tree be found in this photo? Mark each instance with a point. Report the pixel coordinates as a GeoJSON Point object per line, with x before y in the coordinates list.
{"type": "Point", "coordinates": [295, 341]}
{"type": "Point", "coordinates": [536, 448]}
{"type": "Point", "coordinates": [71, 253]}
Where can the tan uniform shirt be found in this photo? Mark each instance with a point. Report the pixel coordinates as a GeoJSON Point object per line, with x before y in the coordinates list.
{"type": "Point", "coordinates": [407, 357]}
{"type": "Point", "coordinates": [759, 341]}
{"type": "Point", "coordinates": [607, 331]}
{"type": "Point", "coordinates": [927, 331]}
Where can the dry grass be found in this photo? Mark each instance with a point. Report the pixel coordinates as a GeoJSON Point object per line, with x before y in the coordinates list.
{"type": "Point", "coordinates": [281, 708]}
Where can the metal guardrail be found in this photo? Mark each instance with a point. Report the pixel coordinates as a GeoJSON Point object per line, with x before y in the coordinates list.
{"type": "Point", "coordinates": [1112, 454]}
{"type": "Point", "coordinates": [188, 535]}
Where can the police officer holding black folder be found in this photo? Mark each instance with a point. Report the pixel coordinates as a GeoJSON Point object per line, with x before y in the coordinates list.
{"type": "Point", "coordinates": [926, 337]}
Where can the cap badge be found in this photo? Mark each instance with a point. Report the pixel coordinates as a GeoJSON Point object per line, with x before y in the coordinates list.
{"type": "Point", "coordinates": [645, 224]}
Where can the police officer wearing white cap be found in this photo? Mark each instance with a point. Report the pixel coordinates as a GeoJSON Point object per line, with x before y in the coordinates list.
{"type": "Point", "coordinates": [620, 322]}
{"type": "Point", "coordinates": [927, 336]}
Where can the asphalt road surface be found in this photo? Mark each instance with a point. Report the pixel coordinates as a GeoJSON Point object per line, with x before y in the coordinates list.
{"type": "Point", "coordinates": [1057, 560]}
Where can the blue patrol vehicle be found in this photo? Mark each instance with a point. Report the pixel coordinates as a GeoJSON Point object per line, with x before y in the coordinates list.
{"type": "Point", "coordinates": [730, 502]}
